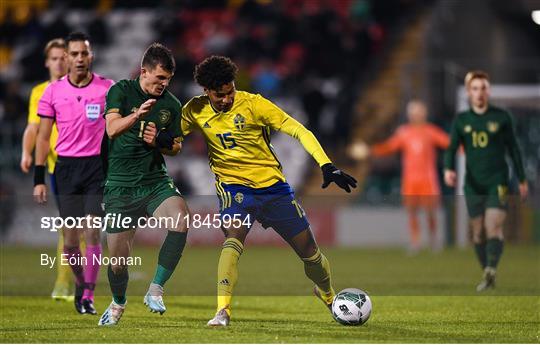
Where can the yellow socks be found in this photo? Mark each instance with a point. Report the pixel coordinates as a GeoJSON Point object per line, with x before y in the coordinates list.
{"type": "Point", "coordinates": [228, 272]}
{"type": "Point", "coordinates": [317, 269]}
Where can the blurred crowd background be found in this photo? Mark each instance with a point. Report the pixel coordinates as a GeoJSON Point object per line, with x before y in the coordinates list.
{"type": "Point", "coordinates": [307, 54]}
{"type": "Point", "coordinates": [344, 68]}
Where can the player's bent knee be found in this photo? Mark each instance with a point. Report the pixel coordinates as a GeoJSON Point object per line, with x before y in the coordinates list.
{"type": "Point", "coordinates": [71, 238]}
{"type": "Point", "coordinates": [495, 233]}
{"type": "Point", "coordinates": [309, 250]}
{"type": "Point", "coordinates": [236, 233]}
{"type": "Point", "coordinates": [180, 228]}
{"type": "Point", "coordinates": [118, 269]}
{"type": "Point", "coordinates": [495, 222]}
{"type": "Point", "coordinates": [477, 236]}
{"type": "Point", "coordinates": [477, 239]}
{"type": "Point", "coordinates": [92, 236]}
{"type": "Point", "coordinates": [304, 244]}
{"type": "Point", "coordinates": [182, 224]}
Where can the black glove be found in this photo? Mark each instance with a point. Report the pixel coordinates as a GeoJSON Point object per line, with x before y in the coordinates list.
{"type": "Point", "coordinates": [333, 174]}
{"type": "Point", "coordinates": [164, 140]}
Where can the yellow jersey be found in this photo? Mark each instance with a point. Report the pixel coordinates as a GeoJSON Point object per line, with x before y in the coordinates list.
{"type": "Point", "coordinates": [33, 117]}
{"type": "Point", "coordinates": [238, 140]}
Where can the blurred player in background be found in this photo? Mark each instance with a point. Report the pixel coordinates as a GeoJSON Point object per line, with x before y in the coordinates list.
{"type": "Point", "coordinates": [143, 118]}
{"type": "Point", "coordinates": [418, 142]}
{"type": "Point", "coordinates": [249, 181]}
{"type": "Point", "coordinates": [487, 133]}
{"type": "Point", "coordinates": [76, 103]}
{"type": "Point", "coordinates": [55, 61]}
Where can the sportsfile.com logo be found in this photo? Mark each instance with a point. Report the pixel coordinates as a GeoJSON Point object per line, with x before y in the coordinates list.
{"type": "Point", "coordinates": [121, 222]}
{"type": "Point", "coordinates": [111, 220]}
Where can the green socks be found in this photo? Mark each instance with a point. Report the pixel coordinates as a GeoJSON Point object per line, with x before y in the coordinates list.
{"type": "Point", "coordinates": [480, 249]}
{"type": "Point", "coordinates": [169, 255]}
{"type": "Point", "coordinates": [118, 284]}
{"type": "Point", "coordinates": [489, 252]}
{"type": "Point", "coordinates": [494, 249]}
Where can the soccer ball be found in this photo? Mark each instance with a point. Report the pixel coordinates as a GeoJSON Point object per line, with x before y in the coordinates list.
{"type": "Point", "coordinates": [351, 307]}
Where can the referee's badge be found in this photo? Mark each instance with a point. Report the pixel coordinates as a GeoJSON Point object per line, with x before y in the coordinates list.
{"type": "Point", "coordinates": [239, 122]}
{"type": "Point", "coordinates": [164, 116]}
{"type": "Point", "coordinates": [93, 111]}
{"type": "Point", "coordinates": [239, 197]}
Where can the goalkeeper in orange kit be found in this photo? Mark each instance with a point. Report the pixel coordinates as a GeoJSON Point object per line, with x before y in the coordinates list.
{"type": "Point", "coordinates": [418, 141]}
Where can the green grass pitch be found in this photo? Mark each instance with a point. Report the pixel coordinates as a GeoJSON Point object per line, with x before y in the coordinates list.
{"type": "Point", "coordinates": [428, 298]}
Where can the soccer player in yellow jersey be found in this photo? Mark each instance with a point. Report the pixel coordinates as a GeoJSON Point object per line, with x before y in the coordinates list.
{"type": "Point", "coordinates": [55, 62]}
{"type": "Point", "coordinates": [249, 181]}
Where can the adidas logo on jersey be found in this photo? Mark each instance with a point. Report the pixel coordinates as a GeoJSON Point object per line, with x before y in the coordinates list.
{"type": "Point", "coordinates": [224, 282]}
{"type": "Point", "coordinates": [206, 125]}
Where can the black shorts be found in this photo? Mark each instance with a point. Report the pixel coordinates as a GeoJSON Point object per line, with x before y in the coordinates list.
{"type": "Point", "coordinates": [54, 190]}
{"type": "Point", "coordinates": [79, 181]}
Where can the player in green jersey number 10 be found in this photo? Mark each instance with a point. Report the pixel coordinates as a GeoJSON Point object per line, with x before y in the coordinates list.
{"type": "Point", "coordinates": [487, 133]}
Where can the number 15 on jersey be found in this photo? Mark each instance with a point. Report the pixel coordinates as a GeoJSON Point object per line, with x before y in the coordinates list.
{"type": "Point", "coordinates": [227, 140]}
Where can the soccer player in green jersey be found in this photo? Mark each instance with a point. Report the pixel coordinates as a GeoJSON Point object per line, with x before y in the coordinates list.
{"type": "Point", "coordinates": [487, 133]}
{"type": "Point", "coordinates": [143, 118]}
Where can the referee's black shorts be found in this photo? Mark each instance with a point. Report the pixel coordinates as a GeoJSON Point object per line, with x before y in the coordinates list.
{"type": "Point", "coordinates": [80, 181]}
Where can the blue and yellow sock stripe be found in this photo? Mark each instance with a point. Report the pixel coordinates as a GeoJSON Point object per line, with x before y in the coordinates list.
{"type": "Point", "coordinates": [315, 259]}
{"type": "Point", "coordinates": [234, 244]}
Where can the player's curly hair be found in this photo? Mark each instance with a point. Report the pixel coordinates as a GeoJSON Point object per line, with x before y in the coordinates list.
{"type": "Point", "coordinates": [214, 72]}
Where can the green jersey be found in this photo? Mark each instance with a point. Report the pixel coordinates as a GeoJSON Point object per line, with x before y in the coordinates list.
{"type": "Point", "coordinates": [486, 138]}
{"type": "Point", "coordinates": [131, 161]}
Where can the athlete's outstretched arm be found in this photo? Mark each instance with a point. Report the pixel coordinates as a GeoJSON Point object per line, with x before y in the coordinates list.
{"type": "Point", "coordinates": [296, 130]}
{"type": "Point", "coordinates": [330, 173]}
{"type": "Point", "coordinates": [439, 137]}
{"type": "Point", "coordinates": [279, 120]}
{"type": "Point", "coordinates": [388, 147]}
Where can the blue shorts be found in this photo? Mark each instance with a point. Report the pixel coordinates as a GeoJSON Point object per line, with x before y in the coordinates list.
{"type": "Point", "coordinates": [272, 206]}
